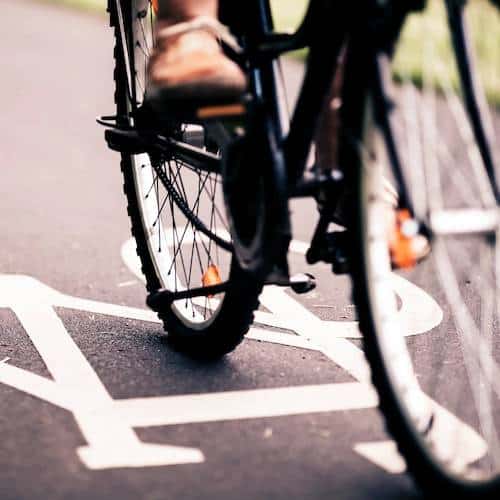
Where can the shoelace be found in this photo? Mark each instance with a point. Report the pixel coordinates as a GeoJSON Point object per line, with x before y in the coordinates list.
{"type": "Point", "coordinates": [206, 23]}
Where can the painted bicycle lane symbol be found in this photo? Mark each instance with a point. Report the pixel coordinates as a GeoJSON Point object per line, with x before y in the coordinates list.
{"type": "Point", "coordinates": [108, 424]}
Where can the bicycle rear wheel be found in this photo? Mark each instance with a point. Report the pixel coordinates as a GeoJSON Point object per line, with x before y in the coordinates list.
{"type": "Point", "coordinates": [437, 370]}
{"type": "Point", "coordinates": [176, 208]}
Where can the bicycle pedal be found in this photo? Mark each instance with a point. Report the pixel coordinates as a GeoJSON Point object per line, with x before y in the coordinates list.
{"type": "Point", "coordinates": [334, 248]}
{"type": "Point", "coordinates": [302, 283]}
{"type": "Point", "coordinates": [125, 141]}
{"type": "Point", "coordinates": [220, 111]}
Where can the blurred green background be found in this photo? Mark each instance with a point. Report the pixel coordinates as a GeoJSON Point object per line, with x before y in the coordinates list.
{"type": "Point", "coordinates": [425, 40]}
{"type": "Point", "coordinates": [426, 43]}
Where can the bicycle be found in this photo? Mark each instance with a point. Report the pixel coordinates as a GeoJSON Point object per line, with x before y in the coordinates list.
{"type": "Point", "coordinates": [226, 187]}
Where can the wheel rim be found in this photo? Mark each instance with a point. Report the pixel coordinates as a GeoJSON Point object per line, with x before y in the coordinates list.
{"type": "Point", "coordinates": [182, 257]}
{"type": "Point", "coordinates": [446, 382]}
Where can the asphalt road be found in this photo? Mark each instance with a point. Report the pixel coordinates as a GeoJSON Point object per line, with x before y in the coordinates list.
{"type": "Point", "coordinates": [63, 226]}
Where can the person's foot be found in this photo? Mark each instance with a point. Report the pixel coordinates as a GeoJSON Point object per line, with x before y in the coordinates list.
{"type": "Point", "coordinates": [191, 67]}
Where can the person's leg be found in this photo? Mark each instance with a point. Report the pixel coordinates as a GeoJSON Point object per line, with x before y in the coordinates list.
{"type": "Point", "coordinates": [404, 250]}
{"type": "Point", "coordinates": [326, 142]}
{"type": "Point", "coordinates": [191, 65]}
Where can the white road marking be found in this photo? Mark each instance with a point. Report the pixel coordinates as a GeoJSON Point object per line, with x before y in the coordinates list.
{"type": "Point", "coordinates": [310, 327]}
{"type": "Point", "coordinates": [239, 405]}
{"type": "Point", "coordinates": [419, 312]}
{"type": "Point", "coordinates": [124, 284]}
{"type": "Point", "coordinates": [4, 360]}
{"type": "Point", "coordinates": [76, 386]}
{"type": "Point", "coordinates": [33, 384]}
{"type": "Point", "coordinates": [384, 454]}
{"type": "Point", "coordinates": [107, 424]}
{"type": "Point", "coordinates": [276, 337]}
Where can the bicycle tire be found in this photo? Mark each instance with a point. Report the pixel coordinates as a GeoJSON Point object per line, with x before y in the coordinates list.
{"type": "Point", "coordinates": [216, 326]}
{"type": "Point", "coordinates": [433, 401]}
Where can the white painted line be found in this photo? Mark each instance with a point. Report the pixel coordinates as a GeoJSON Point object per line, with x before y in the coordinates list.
{"type": "Point", "coordinates": [119, 455]}
{"type": "Point", "coordinates": [131, 259]}
{"type": "Point", "coordinates": [309, 326]}
{"type": "Point", "coordinates": [4, 360]}
{"type": "Point", "coordinates": [125, 284]}
{"type": "Point", "coordinates": [76, 386]}
{"type": "Point", "coordinates": [107, 309]}
{"type": "Point", "coordinates": [276, 337]}
{"type": "Point", "coordinates": [384, 454]}
{"type": "Point", "coordinates": [419, 313]}
{"type": "Point", "coordinates": [35, 385]}
{"type": "Point", "coordinates": [106, 423]}
{"type": "Point", "coordinates": [236, 405]}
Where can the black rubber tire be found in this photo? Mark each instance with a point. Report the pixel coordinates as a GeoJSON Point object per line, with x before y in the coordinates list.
{"type": "Point", "coordinates": [235, 315]}
{"type": "Point", "coordinates": [428, 475]}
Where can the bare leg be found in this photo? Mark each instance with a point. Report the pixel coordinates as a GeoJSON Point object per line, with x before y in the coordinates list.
{"type": "Point", "coordinates": [327, 142]}
{"type": "Point", "coordinates": [405, 251]}
{"type": "Point", "coordinates": [327, 135]}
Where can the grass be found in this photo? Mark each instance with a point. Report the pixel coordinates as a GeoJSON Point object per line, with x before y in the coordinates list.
{"type": "Point", "coordinates": [288, 13]}
{"type": "Point", "coordinates": [426, 37]}
{"type": "Point", "coordinates": [90, 5]}
{"type": "Point", "coordinates": [425, 40]}
{"type": "Point", "coordinates": [423, 35]}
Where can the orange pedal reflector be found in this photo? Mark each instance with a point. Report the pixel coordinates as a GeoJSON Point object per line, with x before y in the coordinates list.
{"type": "Point", "coordinates": [400, 245]}
{"type": "Point", "coordinates": [156, 6]}
{"type": "Point", "coordinates": [211, 277]}
{"type": "Point", "coordinates": [220, 111]}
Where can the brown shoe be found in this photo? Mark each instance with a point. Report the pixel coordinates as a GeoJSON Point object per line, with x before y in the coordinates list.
{"type": "Point", "coordinates": [189, 69]}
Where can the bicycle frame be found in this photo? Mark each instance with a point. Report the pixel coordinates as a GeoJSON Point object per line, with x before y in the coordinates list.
{"type": "Point", "coordinates": [262, 48]}
{"type": "Point", "coordinates": [325, 28]}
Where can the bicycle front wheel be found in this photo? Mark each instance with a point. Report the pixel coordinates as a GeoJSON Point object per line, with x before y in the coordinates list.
{"type": "Point", "coordinates": [431, 330]}
{"type": "Point", "coordinates": [176, 208]}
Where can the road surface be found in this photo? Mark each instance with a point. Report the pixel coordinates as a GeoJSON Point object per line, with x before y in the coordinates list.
{"type": "Point", "coordinates": [93, 402]}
